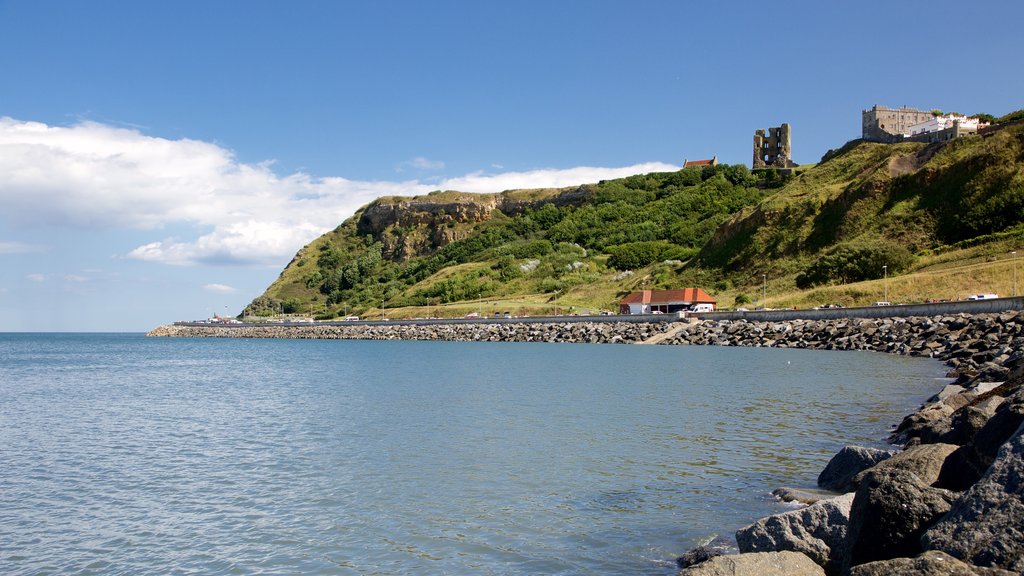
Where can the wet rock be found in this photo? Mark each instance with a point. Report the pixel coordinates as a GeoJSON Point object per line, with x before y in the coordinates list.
{"type": "Point", "coordinates": [757, 564]}
{"type": "Point", "coordinates": [803, 495]}
{"type": "Point", "coordinates": [815, 531]}
{"type": "Point", "coordinates": [705, 552]}
{"type": "Point", "coordinates": [846, 464]}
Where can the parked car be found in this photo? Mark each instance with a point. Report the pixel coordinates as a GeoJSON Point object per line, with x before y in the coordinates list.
{"type": "Point", "coordinates": [882, 304]}
{"type": "Point", "coordinates": [982, 297]}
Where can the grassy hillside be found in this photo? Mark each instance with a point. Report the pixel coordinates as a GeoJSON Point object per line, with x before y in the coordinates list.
{"type": "Point", "coordinates": [939, 219]}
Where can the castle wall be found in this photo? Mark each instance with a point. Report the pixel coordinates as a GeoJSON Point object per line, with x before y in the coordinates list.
{"type": "Point", "coordinates": [883, 124]}
{"type": "Point", "coordinates": [772, 150]}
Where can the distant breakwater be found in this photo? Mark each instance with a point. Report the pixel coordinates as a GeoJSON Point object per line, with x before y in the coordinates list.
{"type": "Point", "coordinates": [965, 341]}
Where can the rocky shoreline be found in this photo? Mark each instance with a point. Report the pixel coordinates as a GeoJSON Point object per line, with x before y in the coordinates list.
{"type": "Point", "coordinates": [951, 501]}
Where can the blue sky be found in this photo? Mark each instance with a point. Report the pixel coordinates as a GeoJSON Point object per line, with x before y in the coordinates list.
{"type": "Point", "coordinates": [164, 160]}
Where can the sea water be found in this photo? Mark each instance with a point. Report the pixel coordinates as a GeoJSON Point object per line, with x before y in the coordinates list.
{"type": "Point", "coordinates": [121, 454]}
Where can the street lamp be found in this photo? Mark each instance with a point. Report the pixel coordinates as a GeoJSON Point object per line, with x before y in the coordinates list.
{"type": "Point", "coordinates": [383, 316]}
{"type": "Point", "coordinates": [885, 283]}
{"type": "Point", "coordinates": [764, 289]}
{"type": "Point", "coordinates": [1014, 264]}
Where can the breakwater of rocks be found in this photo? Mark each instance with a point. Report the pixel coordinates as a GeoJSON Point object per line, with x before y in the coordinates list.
{"type": "Point", "coordinates": [577, 332]}
{"type": "Point", "coordinates": [949, 501]}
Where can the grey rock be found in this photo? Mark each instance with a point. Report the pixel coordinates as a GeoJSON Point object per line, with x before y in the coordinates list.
{"type": "Point", "coordinates": [924, 460]}
{"type": "Point", "coordinates": [715, 547]}
{"type": "Point", "coordinates": [969, 420]}
{"type": "Point", "coordinates": [757, 564]}
{"type": "Point", "coordinates": [890, 512]}
{"type": "Point", "coordinates": [931, 422]}
{"type": "Point", "coordinates": [946, 392]}
{"type": "Point", "coordinates": [986, 524]}
{"type": "Point", "coordinates": [967, 465]}
{"type": "Point", "coordinates": [815, 531]}
{"type": "Point", "coordinates": [803, 495]}
{"type": "Point", "coordinates": [846, 464]}
{"type": "Point", "coordinates": [930, 563]}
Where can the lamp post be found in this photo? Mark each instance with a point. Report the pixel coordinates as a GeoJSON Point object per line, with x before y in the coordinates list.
{"type": "Point", "coordinates": [885, 283]}
{"type": "Point", "coordinates": [764, 289]}
{"type": "Point", "coordinates": [1014, 264]}
{"type": "Point", "coordinates": [383, 316]}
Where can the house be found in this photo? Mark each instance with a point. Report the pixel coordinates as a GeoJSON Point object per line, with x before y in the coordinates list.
{"type": "Point", "coordinates": [712, 162]}
{"type": "Point", "coordinates": [650, 301]}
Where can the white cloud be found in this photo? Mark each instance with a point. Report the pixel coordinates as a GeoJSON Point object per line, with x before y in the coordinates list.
{"type": "Point", "coordinates": [36, 277]}
{"type": "Point", "coordinates": [547, 178]}
{"type": "Point", "coordinates": [20, 248]}
{"type": "Point", "coordinates": [421, 163]}
{"type": "Point", "coordinates": [220, 289]}
{"type": "Point", "coordinates": [92, 176]}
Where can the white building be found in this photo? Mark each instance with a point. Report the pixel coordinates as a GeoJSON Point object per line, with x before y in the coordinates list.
{"type": "Point", "coordinates": [939, 123]}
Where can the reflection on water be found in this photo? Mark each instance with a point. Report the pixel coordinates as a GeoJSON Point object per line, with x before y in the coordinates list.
{"type": "Point", "coordinates": [125, 454]}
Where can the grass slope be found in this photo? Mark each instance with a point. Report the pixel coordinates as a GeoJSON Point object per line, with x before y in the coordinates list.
{"type": "Point", "coordinates": [942, 218]}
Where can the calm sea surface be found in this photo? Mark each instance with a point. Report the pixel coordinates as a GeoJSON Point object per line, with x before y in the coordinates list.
{"type": "Point", "coordinates": [126, 455]}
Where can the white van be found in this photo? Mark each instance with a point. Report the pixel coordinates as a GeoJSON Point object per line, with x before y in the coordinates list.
{"type": "Point", "coordinates": [702, 308]}
{"type": "Point", "coordinates": [882, 304]}
{"type": "Point", "coordinates": [982, 297]}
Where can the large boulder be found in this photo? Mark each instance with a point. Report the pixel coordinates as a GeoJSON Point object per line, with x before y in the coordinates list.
{"type": "Point", "coordinates": [924, 460]}
{"type": "Point", "coordinates": [816, 531]}
{"type": "Point", "coordinates": [969, 420]}
{"type": "Point", "coordinates": [986, 524]}
{"type": "Point", "coordinates": [890, 512]}
{"type": "Point", "coordinates": [757, 564]}
{"type": "Point", "coordinates": [846, 464]}
{"type": "Point", "coordinates": [967, 465]}
{"type": "Point", "coordinates": [930, 563]}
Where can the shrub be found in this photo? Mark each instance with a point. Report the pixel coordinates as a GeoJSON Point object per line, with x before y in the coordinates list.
{"type": "Point", "coordinates": [635, 255]}
{"type": "Point", "coordinates": [855, 262]}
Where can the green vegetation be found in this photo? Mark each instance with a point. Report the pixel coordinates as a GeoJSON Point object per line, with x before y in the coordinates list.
{"type": "Point", "coordinates": [910, 209]}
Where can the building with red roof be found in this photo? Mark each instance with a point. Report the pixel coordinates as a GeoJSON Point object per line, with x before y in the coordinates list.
{"type": "Point", "coordinates": [650, 301]}
{"type": "Point", "coordinates": [712, 162]}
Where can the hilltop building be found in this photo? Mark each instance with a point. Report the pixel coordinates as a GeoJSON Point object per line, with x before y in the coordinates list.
{"type": "Point", "coordinates": [891, 125]}
{"type": "Point", "coordinates": [712, 162]}
{"type": "Point", "coordinates": [665, 301]}
{"type": "Point", "coordinates": [773, 150]}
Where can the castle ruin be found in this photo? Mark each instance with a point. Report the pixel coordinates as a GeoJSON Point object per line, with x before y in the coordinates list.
{"type": "Point", "coordinates": [773, 150]}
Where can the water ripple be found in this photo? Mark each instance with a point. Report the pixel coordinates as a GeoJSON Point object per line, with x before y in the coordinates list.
{"type": "Point", "coordinates": [125, 455]}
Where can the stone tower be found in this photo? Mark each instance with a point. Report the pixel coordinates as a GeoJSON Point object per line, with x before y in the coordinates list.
{"type": "Point", "coordinates": [773, 150]}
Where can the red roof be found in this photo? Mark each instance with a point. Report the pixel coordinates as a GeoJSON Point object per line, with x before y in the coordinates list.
{"type": "Point", "coordinates": [698, 163]}
{"type": "Point", "coordinates": [657, 297]}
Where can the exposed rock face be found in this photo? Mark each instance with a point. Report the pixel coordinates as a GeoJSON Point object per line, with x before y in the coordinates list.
{"type": "Point", "coordinates": [846, 464]}
{"type": "Point", "coordinates": [986, 524]}
{"type": "Point", "coordinates": [430, 218]}
{"type": "Point", "coordinates": [890, 512]}
{"type": "Point", "coordinates": [815, 531]}
{"type": "Point", "coordinates": [757, 564]}
{"type": "Point", "coordinates": [928, 564]}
